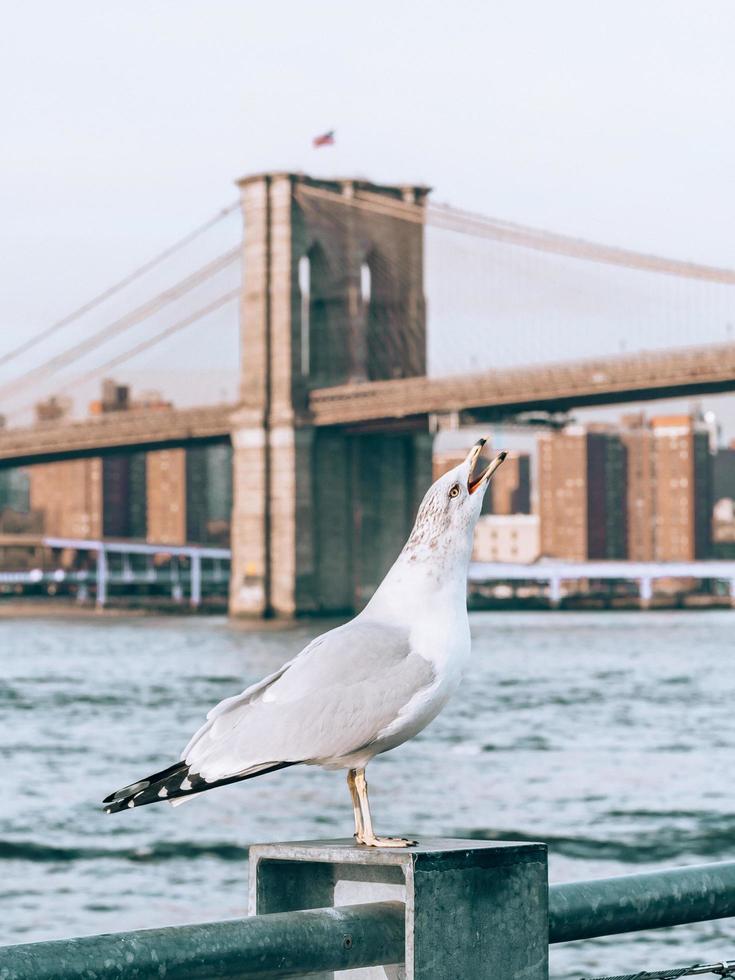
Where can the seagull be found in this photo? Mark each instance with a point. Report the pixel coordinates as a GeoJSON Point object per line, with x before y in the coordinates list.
{"type": "Point", "coordinates": [360, 689]}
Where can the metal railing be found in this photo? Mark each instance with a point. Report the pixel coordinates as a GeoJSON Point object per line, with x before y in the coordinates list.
{"type": "Point", "coordinates": [632, 903]}
{"type": "Point", "coordinates": [303, 943]}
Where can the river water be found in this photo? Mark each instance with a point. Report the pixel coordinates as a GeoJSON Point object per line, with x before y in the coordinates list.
{"type": "Point", "coordinates": [609, 735]}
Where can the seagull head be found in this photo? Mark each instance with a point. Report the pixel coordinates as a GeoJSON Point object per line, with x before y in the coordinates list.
{"type": "Point", "coordinates": [448, 513]}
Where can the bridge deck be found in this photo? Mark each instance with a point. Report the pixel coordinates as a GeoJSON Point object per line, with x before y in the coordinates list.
{"type": "Point", "coordinates": [117, 430]}
{"type": "Point", "coordinates": [627, 377]}
{"type": "Point", "coordinates": [557, 387]}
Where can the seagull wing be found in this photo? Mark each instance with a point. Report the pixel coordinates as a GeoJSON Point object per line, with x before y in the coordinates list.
{"type": "Point", "coordinates": [333, 699]}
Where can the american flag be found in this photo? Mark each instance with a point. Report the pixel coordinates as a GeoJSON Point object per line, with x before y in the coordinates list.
{"type": "Point", "coordinates": [326, 139]}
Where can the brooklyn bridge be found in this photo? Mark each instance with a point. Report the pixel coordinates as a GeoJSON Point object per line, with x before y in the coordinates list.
{"type": "Point", "coordinates": [346, 369]}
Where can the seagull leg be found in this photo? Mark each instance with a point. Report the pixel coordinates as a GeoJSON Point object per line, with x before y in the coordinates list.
{"type": "Point", "coordinates": [365, 834]}
{"type": "Point", "coordinates": [359, 829]}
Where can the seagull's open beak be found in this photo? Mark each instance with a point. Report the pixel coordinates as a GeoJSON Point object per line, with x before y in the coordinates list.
{"type": "Point", "coordinates": [476, 480]}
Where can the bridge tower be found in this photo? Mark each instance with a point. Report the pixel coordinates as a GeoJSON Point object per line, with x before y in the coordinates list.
{"type": "Point", "coordinates": [332, 293]}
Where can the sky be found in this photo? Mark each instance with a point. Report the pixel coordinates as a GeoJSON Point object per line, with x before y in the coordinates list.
{"type": "Point", "coordinates": [124, 125]}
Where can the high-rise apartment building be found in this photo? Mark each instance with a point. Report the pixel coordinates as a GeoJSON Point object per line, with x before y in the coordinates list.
{"type": "Point", "coordinates": [14, 490]}
{"type": "Point", "coordinates": [723, 474]}
{"type": "Point", "coordinates": [510, 489]}
{"type": "Point", "coordinates": [582, 494]}
{"type": "Point", "coordinates": [669, 488]}
{"type": "Point", "coordinates": [682, 489]}
{"type": "Point", "coordinates": [209, 494]}
{"type": "Point", "coordinates": [166, 496]}
{"type": "Point", "coordinates": [124, 495]}
{"type": "Point", "coordinates": [68, 495]}
{"type": "Point", "coordinates": [638, 441]}
{"type": "Point", "coordinates": [90, 498]}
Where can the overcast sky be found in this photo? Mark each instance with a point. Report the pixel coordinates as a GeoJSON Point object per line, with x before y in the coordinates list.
{"type": "Point", "coordinates": [125, 124]}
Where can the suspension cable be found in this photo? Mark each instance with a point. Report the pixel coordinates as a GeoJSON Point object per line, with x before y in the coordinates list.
{"type": "Point", "coordinates": [116, 287]}
{"type": "Point", "coordinates": [119, 326]}
{"type": "Point", "coordinates": [452, 219]}
{"type": "Point", "coordinates": [146, 344]}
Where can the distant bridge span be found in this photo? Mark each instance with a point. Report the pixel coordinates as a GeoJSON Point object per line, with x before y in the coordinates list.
{"type": "Point", "coordinates": [114, 432]}
{"type": "Point", "coordinates": [493, 394]}
{"type": "Point", "coordinates": [642, 376]}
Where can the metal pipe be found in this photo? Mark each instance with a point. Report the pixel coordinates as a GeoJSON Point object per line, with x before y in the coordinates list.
{"type": "Point", "coordinates": [195, 580]}
{"type": "Point", "coordinates": [631, 903]}
{"type": "Point", "coordinates": [348, 937]}
{"type": "Point", "coordinates": [101, 576]}
{"type": "Point", "coordinates": [278, 945]}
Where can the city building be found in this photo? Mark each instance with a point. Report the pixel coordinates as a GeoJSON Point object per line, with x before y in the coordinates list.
{"type": "Point", "coordinates": [582, 493]}
{"type": "Point", "coordinates": [682, 488]}
{"type": "Point", "coordinates": [88, 498]}
{"type": "Point", "coordinates": [723, 529]}
{"type": "Point", "coordinates": [507, 538]}
{"type": "Point", "coordinates": [510, 489]}
{"type": "Point", "coordinates": [189, 495]}
{"type": "Point", "coordinates": [166, 496]}
{"type": "Point", "coordinates": [124, 495]}
{"type": "Point", "coordinates": [14, 490]}
{"type": "Point", "coordinates": [669, 493]}
{"type": "Point", "coordinates": [68, 496]}
{"type": "Point", "coordinates": [115, 397]}
{"type": "Point", "coordinates": [16, 516]}
{"type": "Point", "coordinates": [52, 409]}
{"type": "Point", "coordinates": [638, 441]}
{"type": "Point", "coordinates": [723, 474]}
{"type": "Point", "coordinates": [209, 511]}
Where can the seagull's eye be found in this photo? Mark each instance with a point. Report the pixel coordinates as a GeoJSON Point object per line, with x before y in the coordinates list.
{"type": "Point", "coordinates": [454, 492]}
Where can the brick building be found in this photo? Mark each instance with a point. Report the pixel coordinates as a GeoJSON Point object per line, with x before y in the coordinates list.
{"type": "Point", "coordinates": [507, 538]}
{"type": "Point", "coordinates": [510, 489]}
{"type": "Point", "coordinates": [68, 495]}
{"type": "Point", "coordinates": [582, 494]}
{"type": "Point", "coordinates": [189, 495]}
{"type": "Point", "coordinates": [682, 489]}
{"type": "Point", "coordinates": [166, 496]}
{"type": "Point", "coordinates": [640, 531]}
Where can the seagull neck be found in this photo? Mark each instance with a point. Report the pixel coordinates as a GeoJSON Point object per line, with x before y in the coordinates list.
{"type": "Point", "coordinates": [423, 577]}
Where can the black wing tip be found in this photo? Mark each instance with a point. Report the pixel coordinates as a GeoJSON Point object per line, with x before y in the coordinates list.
{"type": "Point", "coordinates": [117, 805]}
{"type": "Point", "coordinates": [174, 783]}
{"type": "Point", "coordinates": [127, 791]}
{"type": "Point", "coordinates": [144, 790]}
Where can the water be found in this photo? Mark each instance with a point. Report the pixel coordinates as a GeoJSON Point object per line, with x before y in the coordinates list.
{"type": "Point", "coordinates": [609, 735]}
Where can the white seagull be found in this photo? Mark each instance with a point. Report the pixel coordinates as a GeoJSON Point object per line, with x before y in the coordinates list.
{"type": "Point", "coordinates": [357, 690]}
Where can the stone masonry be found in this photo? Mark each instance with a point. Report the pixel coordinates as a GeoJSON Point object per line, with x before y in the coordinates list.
{"type": "Point", "coordinates": [319, 515]}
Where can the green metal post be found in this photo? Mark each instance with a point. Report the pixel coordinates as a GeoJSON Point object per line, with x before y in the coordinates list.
{"type": "Point", "coordinates": [473, 909]}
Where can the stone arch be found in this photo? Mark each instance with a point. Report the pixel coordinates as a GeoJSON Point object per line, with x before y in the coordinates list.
{"type": "Point", "coordinates": [323, 342]}
{"type": "Point", "coordinates": [384, 317]}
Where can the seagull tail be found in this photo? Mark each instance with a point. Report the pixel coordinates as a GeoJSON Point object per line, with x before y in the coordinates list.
{"type": "Point", "coordinates": [175, 783]}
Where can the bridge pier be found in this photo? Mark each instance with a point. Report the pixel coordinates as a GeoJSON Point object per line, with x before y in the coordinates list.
{"type": "Point", "coordinates": [321, 533]}
{"type": "Point", "coordinates": [332, 292]}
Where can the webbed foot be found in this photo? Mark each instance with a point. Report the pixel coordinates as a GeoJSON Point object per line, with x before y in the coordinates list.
{"type": "Point", "coordinates": [373, 841]}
